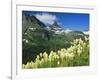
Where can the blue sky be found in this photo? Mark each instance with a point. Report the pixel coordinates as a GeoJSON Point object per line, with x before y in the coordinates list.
{"type": "Point", "coordinates": [73, 21]}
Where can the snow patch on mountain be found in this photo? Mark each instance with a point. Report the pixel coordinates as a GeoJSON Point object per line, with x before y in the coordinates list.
{"type": "Point", "coordinates": [86, 32]}
{"type": "Point", "coordinates": [66, 31]}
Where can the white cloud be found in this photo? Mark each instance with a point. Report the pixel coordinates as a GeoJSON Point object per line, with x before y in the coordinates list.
{"type": "Point", "coordinates": [46, 18]}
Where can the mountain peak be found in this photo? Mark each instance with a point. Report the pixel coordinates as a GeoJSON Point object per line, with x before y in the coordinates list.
{"type": "Point", "coordinates": [55, 24]}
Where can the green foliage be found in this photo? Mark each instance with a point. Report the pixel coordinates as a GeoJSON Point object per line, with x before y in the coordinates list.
{"type": "Point", "coordinates": [33, 45]}
{"type": "Point", "coordinates": [76, 55]}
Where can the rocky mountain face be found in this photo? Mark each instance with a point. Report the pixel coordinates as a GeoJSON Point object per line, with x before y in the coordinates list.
{"type": "Point", "coordinates": [31, 22]}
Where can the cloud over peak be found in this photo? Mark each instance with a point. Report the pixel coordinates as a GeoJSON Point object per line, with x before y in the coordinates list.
{"type": "Point", "coordinates": [46, 18]}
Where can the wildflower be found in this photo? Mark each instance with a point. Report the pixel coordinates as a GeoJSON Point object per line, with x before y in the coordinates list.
{"type": "Point", "coordinates": [37, 57]}
{"type": "Point", "coordinates": [25, 33]}
{"type": "Point", "coordinates": [45, 55]}
{"type": "Point", "coordinates": [41, 55]}
{"type": "Point", "coordinates": [79, 51]}
{"type": "Point", "coordinates": [58, 62]}
{"type": "Point", "coordinates": [26, 41]}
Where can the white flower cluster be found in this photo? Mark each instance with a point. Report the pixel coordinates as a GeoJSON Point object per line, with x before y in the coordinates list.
{"type": "Point", "coordinates": [76, 55]}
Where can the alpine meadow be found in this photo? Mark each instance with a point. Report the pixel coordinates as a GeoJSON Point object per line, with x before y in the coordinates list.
{"type": "Point", "coordinates": [55, 39]}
